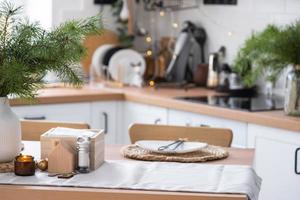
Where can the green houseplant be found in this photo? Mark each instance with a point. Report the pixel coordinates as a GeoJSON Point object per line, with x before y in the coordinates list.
{"type": "Point", "coordinates": [27, 53]}
{"type": "Point", "coordinates": [269, 52]}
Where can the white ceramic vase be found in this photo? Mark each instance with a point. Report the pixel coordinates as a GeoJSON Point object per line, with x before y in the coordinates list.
{"type": "Point", "coordinates": [10, 132]}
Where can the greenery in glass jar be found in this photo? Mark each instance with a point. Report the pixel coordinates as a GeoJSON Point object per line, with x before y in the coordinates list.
{"type": "Point", "coordinates": [28, 52]}
{"type": "Point", "coordinates": [268, 52]}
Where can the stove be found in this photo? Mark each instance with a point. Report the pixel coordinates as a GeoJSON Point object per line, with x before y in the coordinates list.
{"type": "Point", "coordinates": [256, 103]}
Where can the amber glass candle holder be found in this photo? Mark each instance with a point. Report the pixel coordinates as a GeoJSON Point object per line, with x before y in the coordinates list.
{"type": "Point", "coordinates": [24, 165]}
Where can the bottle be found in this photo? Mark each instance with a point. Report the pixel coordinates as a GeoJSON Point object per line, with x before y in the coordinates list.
{"type": "Point", "coordinates": [83, 154]}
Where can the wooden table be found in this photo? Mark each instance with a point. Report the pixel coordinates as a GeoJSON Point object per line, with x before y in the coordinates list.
{"type": "Point", "coordinates": [15, 192]}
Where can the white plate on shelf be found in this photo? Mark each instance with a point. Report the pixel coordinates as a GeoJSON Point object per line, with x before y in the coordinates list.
{"type": "Point", "coordinates": [186, 147]}
{"type": "Point", "coordinates": [121, 65]}
{"type": "Point", "coordinates": [98, 56]}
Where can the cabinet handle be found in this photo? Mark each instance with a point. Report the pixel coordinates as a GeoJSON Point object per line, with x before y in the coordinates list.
{"type": "Point", "coordinates": [105, 116]}
{"type": "Point", "coordinates": [204, 125]}
{"type": "Point", "coordinates": [35, 118]}
{"type": "Point", "coordinates": [296, 161]}
{"type": "Point", "coordinates": [157, 121]}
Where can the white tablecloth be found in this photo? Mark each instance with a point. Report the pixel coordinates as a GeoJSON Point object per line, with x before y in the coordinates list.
{"type": "Point", "coordinates": [163, 176]}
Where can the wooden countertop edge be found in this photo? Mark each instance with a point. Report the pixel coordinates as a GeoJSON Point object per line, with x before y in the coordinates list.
{"type": "Point", "coordinates": [15, 192]}
{"type": "Point", "coordinates": [70, 99]}
{"type": "Point", "coordinates": [242, 116]}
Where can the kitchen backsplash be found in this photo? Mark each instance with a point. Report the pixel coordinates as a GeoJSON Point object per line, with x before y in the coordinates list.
{"type": "Point", "coordinates": [225, 25]}
{"type": "Point", "coordinates": [231, 25]}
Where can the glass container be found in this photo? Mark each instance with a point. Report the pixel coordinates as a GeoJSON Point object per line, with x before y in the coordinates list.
{"type": "Point", "coordinates": [83, 154]}
{"type": "Point", "coordinates": [292, 92]}
{"type": "Point", "coordinates": [24, 165]}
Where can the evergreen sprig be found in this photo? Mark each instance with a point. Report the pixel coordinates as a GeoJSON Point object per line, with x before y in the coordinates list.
{"type": "Point", "coordinates": [268, 52]}
{"type": "Point", "coordinates": [28, 52]}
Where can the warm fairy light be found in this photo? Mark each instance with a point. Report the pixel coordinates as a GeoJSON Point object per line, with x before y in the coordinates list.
{"type": "Point", "coordinates": [175, 25]}
{"type": "Point", "coordinates": [151, 83]}
{"type": "Point", "coordinates": [229, 33]}
{"type": "Point", "coordinates": [162, 13]}
{"type": "Point", "coordinates": [149, 53]}
{"type": "Point", "coordinates": [148, 39]}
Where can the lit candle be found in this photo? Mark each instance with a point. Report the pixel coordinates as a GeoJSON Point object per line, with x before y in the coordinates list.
{"type": "Point", "coordinates": [24, 165]}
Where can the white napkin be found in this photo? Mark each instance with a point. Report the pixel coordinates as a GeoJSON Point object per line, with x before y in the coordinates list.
{"type": "Point", "coordinates": [70, 132]}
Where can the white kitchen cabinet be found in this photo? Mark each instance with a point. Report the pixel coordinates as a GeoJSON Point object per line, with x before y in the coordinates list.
{"type": "Point", "coordinates": [140, 113]}
{"type": "Point", "coordinates": [239, 129]}
{"type": "Point", "coordinates": [104, 116]}
{"type": "Point", "coordinates": [275, 161]}
{"type": "Point", "coordinates": [70, 112]}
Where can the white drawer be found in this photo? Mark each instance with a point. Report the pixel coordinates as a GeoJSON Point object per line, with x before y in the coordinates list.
{"type": "Point", "coordinates": [75, 112]}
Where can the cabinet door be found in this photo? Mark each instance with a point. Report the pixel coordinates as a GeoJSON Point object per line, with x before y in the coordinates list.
{"type": "Point", "coordinates": [104, 116]}
{"type": "Point", "coordinates": [275, 161]}
{"type": "Point", "coordinates": [239, 129]}
{"type": "Point", "coordinates": [73, 112]}
{"type": "Point", "coordinates": [141, 113]}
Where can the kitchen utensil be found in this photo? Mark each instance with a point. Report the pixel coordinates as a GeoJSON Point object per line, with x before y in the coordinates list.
{"type": "Point", "coordinates": [215, 62]}
{"type": "Point", "coordinates": [176, 71]}
{"type": "Point", "coordinates": [235, 82]}
{"type": "Point", "coordinates": [200, 74]}
{"type": "Point", "coordinates": [184, 147]}
{"type": "Point", "coordinates": [176, 144]}
{"type": "Point", "coordinates": [200, 36]}
{"type": "Point", "coordinates": [224, 75]}
{"type": "Point", "coordinates": [125, 65]}
{"type": "Point", "coordinates": [124, 14]}
{"type": "Point", "coordinates": [212, 75]}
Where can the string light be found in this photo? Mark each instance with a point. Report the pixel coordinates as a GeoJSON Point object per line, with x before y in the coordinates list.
{"type": "Point", "coordinates": [148, 39]}
{"type": "Point", "coordinates": [219, 25]}
{"type": "Point", "coordinates": [151, 83]}
{"type": "Point", "coordinates": [229, 33]}
{"type": "Point", "coordinates": [162, 13]}
{"type": "Point", "coordinates": [175, 25]}
{"type": "Point", "coordinates": [149, 52]}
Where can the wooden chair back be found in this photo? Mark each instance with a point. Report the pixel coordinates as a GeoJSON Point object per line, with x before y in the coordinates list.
{"type": "Point", "coordinates": [33, 129]}
{"type": "Point", "coordinates": [213, 136]}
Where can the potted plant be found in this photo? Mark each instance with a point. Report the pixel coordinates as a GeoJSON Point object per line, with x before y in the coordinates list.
{"type": "Point", "coordinates": [269, 52]}
{"type": "Point", "coordinates": [27, 53]}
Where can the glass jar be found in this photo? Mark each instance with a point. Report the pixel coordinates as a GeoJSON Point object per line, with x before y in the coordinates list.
{"type": "Point", "coordinates": [292, 92]}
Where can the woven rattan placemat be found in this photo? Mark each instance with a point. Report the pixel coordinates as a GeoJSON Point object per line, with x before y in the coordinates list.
{"type": "Point", "coordinates": [206, 154]}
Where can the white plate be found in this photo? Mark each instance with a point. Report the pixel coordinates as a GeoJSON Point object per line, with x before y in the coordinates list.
{"type": "Point", "coordinates": [186, 147]}
{"type": "Point", "coordinates": [98, 56]}
{"type": "Point", "coordinates": [121, 65]}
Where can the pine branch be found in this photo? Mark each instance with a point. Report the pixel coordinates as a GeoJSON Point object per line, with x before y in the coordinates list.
{"type": "Point", "coordinates": [271, 51]}
{"type": "Point", "coordinates": [27, 51]}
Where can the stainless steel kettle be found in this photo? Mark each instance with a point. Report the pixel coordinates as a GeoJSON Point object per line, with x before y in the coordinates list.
{"type": "Point", "coordinates": [212, 74]}
{"type": "Point", "coordinates": [214, 62]}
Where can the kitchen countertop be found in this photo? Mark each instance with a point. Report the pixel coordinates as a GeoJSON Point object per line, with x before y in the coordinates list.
{"type": "Point", "coordinates": [163, 98]}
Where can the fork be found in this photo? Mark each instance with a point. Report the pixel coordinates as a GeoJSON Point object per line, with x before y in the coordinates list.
{"type": "Point", "coordinates": [177, 143]}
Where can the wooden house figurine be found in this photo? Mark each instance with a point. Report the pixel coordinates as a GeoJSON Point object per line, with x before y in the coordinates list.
{"type": "Point", "coordinates": [62, 158]}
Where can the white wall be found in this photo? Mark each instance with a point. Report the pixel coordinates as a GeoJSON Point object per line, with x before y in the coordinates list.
{"type": "Point", "coordinates": [73, 9]}
{"type": "Point", "coordinates": [40, 11]}
{"type": "Point", "coordinates": [51, 13]}
{"type": "Point", "coordinates": [249, 15]}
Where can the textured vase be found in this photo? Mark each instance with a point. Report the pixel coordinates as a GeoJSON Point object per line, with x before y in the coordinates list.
{"type": "Point", "coordinates": [292, 92]}
{"type": "Point", "coordinates": [10, 132]}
